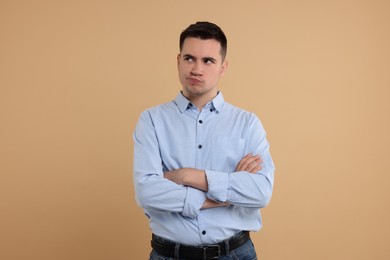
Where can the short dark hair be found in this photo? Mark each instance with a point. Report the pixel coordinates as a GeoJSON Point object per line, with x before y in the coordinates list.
{"type": "Point", "coordinates": [205, 31]}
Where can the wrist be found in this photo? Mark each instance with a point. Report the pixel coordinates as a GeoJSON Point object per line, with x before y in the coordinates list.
{"type": "Point", "coordinates": [194, 178]}
{"type": "Point", "coordinates": [187, 176]}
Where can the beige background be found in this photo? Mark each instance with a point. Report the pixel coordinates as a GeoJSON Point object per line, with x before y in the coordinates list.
{"type": "Point", "coordinates": [75, 75]}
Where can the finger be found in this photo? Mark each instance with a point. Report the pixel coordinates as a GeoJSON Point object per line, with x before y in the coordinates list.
{"type": "Point", "coordinates": [256, 168]}
{"type": "Point", "coordinates": [252, 168]}
{"type": "Point", "coordinates": [240, 163]}
{"type": "Point", "coordinates": [260, 160]}
{"type": "Point", "coordinates": [254, 165]}
{"type": "Point", "coordinates": [247, 162]}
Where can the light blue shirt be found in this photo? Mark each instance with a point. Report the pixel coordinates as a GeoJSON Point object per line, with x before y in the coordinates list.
{"type": "Point", "coordinates": [177, 135]}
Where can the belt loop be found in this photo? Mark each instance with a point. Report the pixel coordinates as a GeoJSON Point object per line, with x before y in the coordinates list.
{"type": "Point", "coordinates": [227, 249]}
{"type": "Point", "coordinates": [176, 253]}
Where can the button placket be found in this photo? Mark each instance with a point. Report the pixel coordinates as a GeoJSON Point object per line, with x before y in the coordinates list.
{"type": "Point", "coordinates": [199, 140]}
{"type": "Point", "coordinates": [199, 131]}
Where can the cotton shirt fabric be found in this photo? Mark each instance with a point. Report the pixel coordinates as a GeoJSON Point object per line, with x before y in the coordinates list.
{"type": "Point", "coordinates": [177, 135]}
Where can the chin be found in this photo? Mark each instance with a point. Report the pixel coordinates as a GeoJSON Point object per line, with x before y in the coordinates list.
{"type": "Point", "coordinates": [194, 88]}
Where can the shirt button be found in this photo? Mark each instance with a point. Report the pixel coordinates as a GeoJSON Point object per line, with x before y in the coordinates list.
{"type": "Point", "coordinates": [200, 121]}
{"type": "Point", "coordinates": [200, 146]}
{"type": "Point", "coordinates": [203, 232]}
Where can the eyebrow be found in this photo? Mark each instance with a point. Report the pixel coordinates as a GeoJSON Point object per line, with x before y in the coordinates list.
{"type": "Point", "coordinates": [210, 58]}
{"type": "Point", "coordinates": [194, 58]}
{"type": "Point", "coordinates": [188, 56]}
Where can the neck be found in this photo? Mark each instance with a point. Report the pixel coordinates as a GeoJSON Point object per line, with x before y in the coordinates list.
{"type": "Point", "coordinates": [199, 100]}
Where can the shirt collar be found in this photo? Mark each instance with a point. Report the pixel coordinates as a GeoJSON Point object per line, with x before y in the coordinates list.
{"type": "Point", "coordinates": [183, 103]}
{"type": "Point", "coordinates": [218, 101]}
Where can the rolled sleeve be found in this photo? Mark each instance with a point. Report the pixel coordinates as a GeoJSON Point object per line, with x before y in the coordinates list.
{"type": "Point", "coordinates": [193, 202]}
{"type": "Point", "coordinates": [218, 184]}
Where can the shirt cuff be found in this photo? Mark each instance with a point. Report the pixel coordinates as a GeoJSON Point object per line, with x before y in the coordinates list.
{"type": "Point", "coordinates": [218, 184]}
{"type": "Point", "coordinates": [193, 202]}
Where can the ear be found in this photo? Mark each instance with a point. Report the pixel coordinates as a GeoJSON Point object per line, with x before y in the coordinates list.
{"type": "Point", "coordinates": [178, 59]}
{"type": "Point", "coordinates": [223, 68]}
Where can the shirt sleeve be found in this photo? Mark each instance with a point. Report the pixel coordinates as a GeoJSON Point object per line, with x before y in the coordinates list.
{"type": "Point", "coordinates": [244, 188]}
{"type": "Point", "coordinates": [152, 190]}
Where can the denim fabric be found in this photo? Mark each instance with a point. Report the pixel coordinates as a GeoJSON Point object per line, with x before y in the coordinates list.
{"type": "Point", "coordinates": [244, 252]}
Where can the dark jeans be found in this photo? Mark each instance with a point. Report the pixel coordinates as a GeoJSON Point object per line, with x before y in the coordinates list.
{"type": "Point", "coordinates": [244, 252]}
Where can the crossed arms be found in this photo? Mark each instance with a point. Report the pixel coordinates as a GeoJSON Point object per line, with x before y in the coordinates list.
{"type": "Point", "coordinates": [187, 190]}
{"type": "Point", "coordinates": [197, 178]}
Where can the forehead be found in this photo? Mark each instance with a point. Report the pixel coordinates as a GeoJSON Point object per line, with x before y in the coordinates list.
{"type": "Point", "coordinates": [201, 48]}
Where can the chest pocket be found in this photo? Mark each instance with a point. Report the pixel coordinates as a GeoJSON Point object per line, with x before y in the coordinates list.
{"type": "Point", "coordinates": [226, 153]}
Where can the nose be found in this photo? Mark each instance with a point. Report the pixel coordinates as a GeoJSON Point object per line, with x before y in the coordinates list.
{"type": "Point", "coordinates": [197, 69]}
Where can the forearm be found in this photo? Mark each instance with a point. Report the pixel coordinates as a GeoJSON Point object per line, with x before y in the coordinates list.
{"type": "Point", "coordinates": [242, 188]}
{"type": "Point", "coordinates": [188, 177]}
{"type": "Point", "coordinates": [196, 179]}
{"type": "Point", "coordinates": [249, 190]}
{"type": "Point", "coordinates": [249, 185]}
{"type": "Point", "coordinates": [213, 204]}
{"type": "Point", "coordinates": [152, 190]}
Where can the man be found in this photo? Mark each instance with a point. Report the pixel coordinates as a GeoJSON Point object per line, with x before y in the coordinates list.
{"type": "Point", "coordinates": [202, 167]}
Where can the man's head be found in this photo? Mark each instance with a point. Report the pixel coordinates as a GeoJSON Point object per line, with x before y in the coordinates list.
{"type": "Point", "coordinates": [201, 62]}
{"type": "Point", "coordinates": [205, 31]}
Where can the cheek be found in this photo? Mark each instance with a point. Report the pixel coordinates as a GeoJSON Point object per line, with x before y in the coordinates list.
{"type": "Point", "coordinates": [182, 75]}
{"type": "Point", "coordinates": [182, 69]}
{"type": "Point", "coordinates": [214, 76]}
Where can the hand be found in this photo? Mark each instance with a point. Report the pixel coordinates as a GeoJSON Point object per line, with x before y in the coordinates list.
{"type": "Point", "coordinates": [250, 163]}
{"type": "Point", "coordinates": [213, 204]}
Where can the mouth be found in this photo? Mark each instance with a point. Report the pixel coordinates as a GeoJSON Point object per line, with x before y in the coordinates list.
{"type": "Point", "coordinates": [194, 81]}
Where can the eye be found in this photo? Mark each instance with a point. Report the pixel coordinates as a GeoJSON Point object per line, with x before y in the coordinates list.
{"type": "Point", "coordinates": [208, 61]}
{"type": "Point", "coordinates": [189, 59]}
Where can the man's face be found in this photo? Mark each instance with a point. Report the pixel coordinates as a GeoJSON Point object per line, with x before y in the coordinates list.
{"type": "Point", "coordinates": [200, 66]}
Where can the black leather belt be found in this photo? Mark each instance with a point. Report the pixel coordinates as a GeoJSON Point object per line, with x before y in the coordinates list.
{"type": "Point", "coordinates": [171, 249]}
